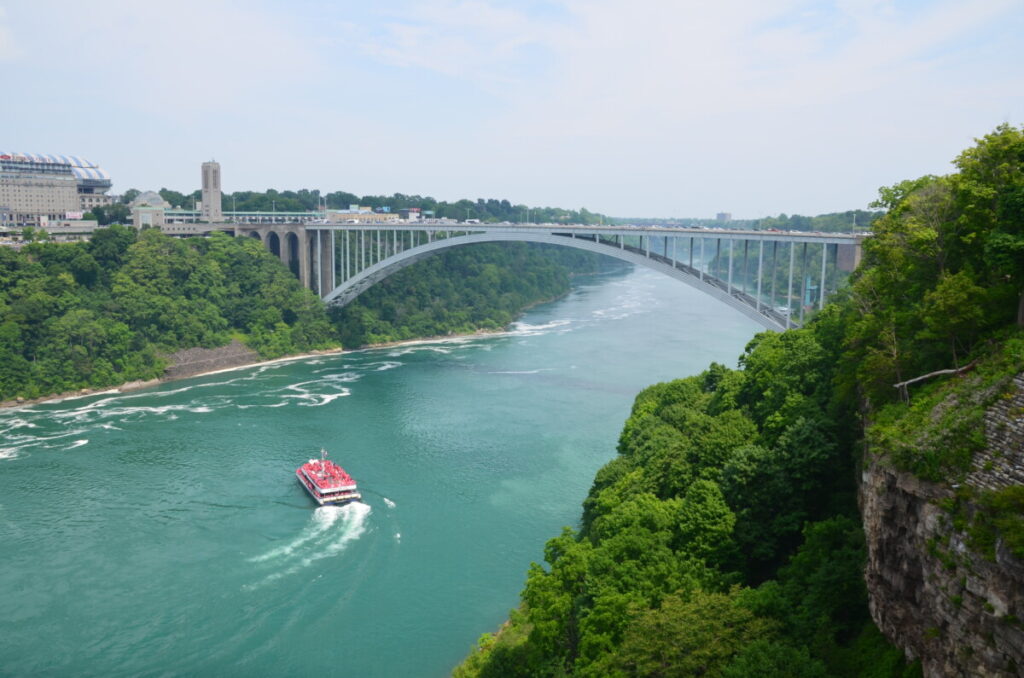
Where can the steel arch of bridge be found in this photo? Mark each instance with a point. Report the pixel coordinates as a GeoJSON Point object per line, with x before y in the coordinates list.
{"type": "Point", "coordinates": [342, 268]}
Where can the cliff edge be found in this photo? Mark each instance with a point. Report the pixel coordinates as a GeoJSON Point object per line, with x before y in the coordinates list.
{"type": "Point", "coordinates": [944, 584]}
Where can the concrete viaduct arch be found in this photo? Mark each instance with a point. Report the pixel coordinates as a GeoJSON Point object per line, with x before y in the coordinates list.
{"type": "Point", "coordinates": [286, 241]}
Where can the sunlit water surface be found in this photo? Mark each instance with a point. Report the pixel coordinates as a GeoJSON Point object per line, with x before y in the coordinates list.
{"type": "Point", "coordinates": [163, 532]}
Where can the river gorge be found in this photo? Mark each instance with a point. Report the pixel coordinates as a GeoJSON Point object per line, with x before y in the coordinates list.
{"type": "Point", "coordinates": [162, 531]}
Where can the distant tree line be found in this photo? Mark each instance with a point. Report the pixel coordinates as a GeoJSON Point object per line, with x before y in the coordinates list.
{"type": "Point", "coordinates": [305, 200]}
{"type": "Point", "coordinates": [490, 210]}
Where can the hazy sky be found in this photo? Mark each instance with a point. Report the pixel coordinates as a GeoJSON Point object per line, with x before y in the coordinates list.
{"type": "Point", "coordinates": [638, 108]}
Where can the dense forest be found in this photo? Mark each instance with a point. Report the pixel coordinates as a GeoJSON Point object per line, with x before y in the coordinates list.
{"type": "Point", "coordinates": [724, 539]}
{"type": "Point", "coordinates": [461, 290]}
{"type": "Point", "coordinates": [103, 312]}
{"type": "Point", "coordinates": [97, 313]}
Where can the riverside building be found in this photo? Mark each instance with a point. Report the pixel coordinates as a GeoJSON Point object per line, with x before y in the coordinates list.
{"type": "Point", "coordinates": [38, 189]}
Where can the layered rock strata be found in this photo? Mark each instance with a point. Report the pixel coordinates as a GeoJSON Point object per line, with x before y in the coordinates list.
{"type": "Point", "coordinates": [931, 593]}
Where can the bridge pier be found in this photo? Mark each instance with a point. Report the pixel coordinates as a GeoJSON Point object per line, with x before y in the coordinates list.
{"type": "Point", "coordinates": [322, 245]}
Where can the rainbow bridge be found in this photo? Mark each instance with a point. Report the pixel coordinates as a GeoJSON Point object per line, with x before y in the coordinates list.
{"type": "Point", "coordinates": [772, 277]}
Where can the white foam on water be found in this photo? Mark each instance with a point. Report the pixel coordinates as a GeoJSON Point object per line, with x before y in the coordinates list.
{"type": "Point", "coordinates": [354, 525]}
{"type": "Point", "coordinates": [398, 536]}
{"type": "Point", "coordinates": [390, 365]}
{"type": "Point", "coordinates": [537, 371]}
{"type": "Point", "coordinates": [77, 443]}
{"type": "Point", "coordinates": [330, 531]}
{"type": "Point", "coordinates": [105, 409]}
{"type": "Point", "coordinates": [319, 399]}
{"type": "Point", "coordinates": [521, 329]}
{"type": "Point", "coordinates": [323, 518]}
{"type": "Point", "coordinates": [434, 345]}
{"type": "Point", "coordinates": [9, 452]}
{"type": "Point", "coordinates": [18, 423]}
{"type": "Point", "coordinates": [310, 398]}
{"type": "Point", "coordinates": [332, 375]}
{"type": "Point", "coordinates": [390, 504]}
{"type": "Point", "coordinates": [29, 441]}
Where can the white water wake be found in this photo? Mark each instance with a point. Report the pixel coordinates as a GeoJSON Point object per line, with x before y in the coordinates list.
{"type": "Point", "coordinates": [330, 530]}
{"type": "Point", "coordinates": [521, 329]}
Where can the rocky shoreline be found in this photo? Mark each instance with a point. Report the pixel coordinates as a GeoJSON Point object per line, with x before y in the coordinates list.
{"type": "Point", "coordinates": [189, 362]}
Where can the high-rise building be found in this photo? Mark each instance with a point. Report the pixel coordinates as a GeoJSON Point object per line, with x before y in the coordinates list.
{"type": "Point", "coordinates": [37, 188]}
{"type": "Point", "coordinates": [211, 192]}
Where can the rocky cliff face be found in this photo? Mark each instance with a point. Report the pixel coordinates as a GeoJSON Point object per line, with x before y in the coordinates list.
{"type": "Point", "coordinates": [191, 361]}
{"type": "Point", "coordinates": [958, 610]}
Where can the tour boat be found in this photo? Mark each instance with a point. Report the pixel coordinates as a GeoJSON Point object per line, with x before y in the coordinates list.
{"type": "Point", "coordinates": [327, 482]}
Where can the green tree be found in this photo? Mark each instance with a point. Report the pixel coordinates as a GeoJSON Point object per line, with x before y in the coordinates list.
{"type": "Point", "coordinates": [953, 310]}
{"type": "Point", "coordinates": [698, 635]}
{"type": "Point", "coordinates": [989, 192]}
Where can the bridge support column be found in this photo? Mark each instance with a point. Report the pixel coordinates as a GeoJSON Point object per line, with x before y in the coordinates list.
{"type": "Point", "coordinates": [731, 241]}
{"type": "Point", "coordinates": [847, 257]}
{"type": "Point", "coordinates": [285, 253]}
{"type": "Point", "coordinates": [325, 262]}
{"type": "Point", "coordinates": [775, 257]}
{"type": "Point", "coordinates": [789, 292]}
{"type": "Point", "coordinates": [824, 262]}
{"type": "Point", "coordinates": [746, 275]}
{"type": "Point", "coordinates": [804, 281]}
{"type": "Point", "coordinates": [303, 247]}
{"type": "Point", "coordinates": [760, 272]}
{"type": "Point", "coordinates": [286, 247]}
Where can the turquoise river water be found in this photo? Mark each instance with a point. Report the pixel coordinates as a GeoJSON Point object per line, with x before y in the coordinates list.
{"type": "Point", "coordinates": [163, 532]}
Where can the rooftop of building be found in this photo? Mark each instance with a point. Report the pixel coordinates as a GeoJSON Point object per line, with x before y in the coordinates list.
{"type": "Point", "coordinates": [80, 167]}
{"type": "Point", "coordinates": [150, 199]}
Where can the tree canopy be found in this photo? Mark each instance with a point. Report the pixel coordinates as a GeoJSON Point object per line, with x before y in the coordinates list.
{"type": "Point", "coordinates": [723, 540]}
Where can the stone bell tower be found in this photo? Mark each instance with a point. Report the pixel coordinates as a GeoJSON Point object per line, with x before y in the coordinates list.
{"type": "Point", "coordinates": [211, 192]}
